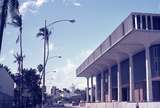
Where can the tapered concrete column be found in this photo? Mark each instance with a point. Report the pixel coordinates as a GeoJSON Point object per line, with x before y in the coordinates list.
{"type": "Point", "coordinates": [92, 89]}
{"type": "Point", "coordinates": [87, 90]}
{"type": "Point", "coordinates": [136, 26]}
{"type": "Point", "coordinates": [148, 75]}
{"type": "Point", "coordinates": [96, 91]}
{"type": "Point", "coordinates": [109, 85]}
{"type": "Point", "coordinates": [131, 79]}
{"type": "Point", "coordinates": [141, 26]}
{"type": "Point", "coordinates": [146, 22]}
{"type": "Point", "coordinates": [119, 85]}
{"type": "Point", "coordinates": [102, 86]}
{"type": "Point", "coordinates": [152, 22]}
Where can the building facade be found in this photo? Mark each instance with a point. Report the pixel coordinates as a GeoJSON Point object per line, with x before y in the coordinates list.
{"type": "Point", "coordinates": [6, 89]}
{"type": "Point", "coordinates": [126, 66]}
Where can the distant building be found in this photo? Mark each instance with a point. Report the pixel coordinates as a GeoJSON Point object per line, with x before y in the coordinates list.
{"type": "Point", "coordinates": [55, 93]}
{"type": "Point", "coordinates": [6, 89]}
{"type": "Point", "coordinates": [67, 94]}
{"type": "Point", "coordinates": [126, 66]}
{"type": "Point", "coordinates": [53, 90]}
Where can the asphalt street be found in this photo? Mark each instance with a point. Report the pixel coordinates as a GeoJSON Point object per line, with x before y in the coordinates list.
{"type": "Point", "coordinates": [63, 107]}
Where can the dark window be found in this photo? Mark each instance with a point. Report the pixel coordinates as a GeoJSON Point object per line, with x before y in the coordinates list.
{"type": "Point", "coordinates": [149, 22]}
{"type": "Point", "coordinates": [155, 52]}
{"type": "Point", "coordinates": [155, 61]}
{"type": "Point", "coordinates": [158, 51]}
{"type": "Point", "coordinates": [138, 22]}
{"type": "Point", "coordinates": [156, 68]}
{"type": "Point", "coordinates": [133, 20]}
{"type": "Point", "coordinates": [156, 22]}
{"type": "Point", "coordinates": [143, 22]}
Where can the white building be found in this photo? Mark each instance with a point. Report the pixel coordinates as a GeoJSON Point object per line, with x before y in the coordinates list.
{"type": "Point", "coordinates": [6, 89]}
{"type": "Point", "coordinates": [126, 66]}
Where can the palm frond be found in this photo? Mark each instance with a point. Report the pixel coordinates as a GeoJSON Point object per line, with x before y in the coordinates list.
{"type": "Point", "coordinates": [40, 34]}
{"type": "Point", "coordinates": [17, 40]}
{"type": "Point", "coordinates": [17, 57]}
{"type": "Point", "coordinates": [17, 21]}
{"type": "Point", "coordinates": [12, 24]}
{"type": "Point", "coordinates": [42, 29]}
{"type": "Point", "coordinates": [14, 12]}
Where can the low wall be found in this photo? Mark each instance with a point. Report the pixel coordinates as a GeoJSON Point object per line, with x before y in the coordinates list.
{"type": "Point", "coordinates": [123, 105]}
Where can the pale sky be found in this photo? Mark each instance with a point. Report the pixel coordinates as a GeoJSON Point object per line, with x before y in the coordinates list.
{"type": "Point", "coordinates": [95, 20]}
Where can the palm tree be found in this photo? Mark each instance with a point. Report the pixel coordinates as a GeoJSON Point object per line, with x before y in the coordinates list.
{"type": "Point", "coordinates": [44, 33]}
{"type": "Point", "coordinates": [18, 60]}
{"type": "Point", "coordinates": [3, 18]}
{"type": "Point", "coordinates": [13, 7]}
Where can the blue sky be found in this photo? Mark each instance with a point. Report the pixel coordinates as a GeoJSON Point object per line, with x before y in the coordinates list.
{"type": "Point", "coordinates": [95, 20]}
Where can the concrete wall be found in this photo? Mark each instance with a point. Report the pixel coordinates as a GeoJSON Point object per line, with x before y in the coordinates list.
{"type": "Point", "coordinates": [123, 105]}
{"type": "Point", "coordinates": [6, 89]}
{"type": "Point", "coordinates": [6, 83]}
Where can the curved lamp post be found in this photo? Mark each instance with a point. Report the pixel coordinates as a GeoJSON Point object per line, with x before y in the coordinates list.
{"type": "Point", "coordinates": [45, 32]}
{"type": "Point", "coordinates": [54, 57]}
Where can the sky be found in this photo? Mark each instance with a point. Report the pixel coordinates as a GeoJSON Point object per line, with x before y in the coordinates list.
{"type": "Point", "coordinates": [95, 20]}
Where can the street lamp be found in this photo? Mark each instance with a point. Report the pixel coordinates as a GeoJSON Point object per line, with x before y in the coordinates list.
{"type": "Point", "coordinates": [71, 21]}
{"type": "Point", "coordinates": [45, 32]}
{"type": "Point", "coordinates": [54, 57]}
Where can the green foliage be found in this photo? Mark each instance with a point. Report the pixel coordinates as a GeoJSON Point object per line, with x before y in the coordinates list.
{"type": "Point", "coordinates": [31, 85]}
{"type": "Point", "coordinates": [40, 68]}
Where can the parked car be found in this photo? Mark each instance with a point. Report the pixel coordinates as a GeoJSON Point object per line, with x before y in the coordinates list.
{"type": "Point", "coordinates": [74, 103]}
{"type": "Point", "coordinates": [56, 105]}
{"type": "Point", "coordinates": [82, 103]}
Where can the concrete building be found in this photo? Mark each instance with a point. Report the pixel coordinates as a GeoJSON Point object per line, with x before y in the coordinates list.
{"type": "Point", "coordinates": [6, 89]}
{"type": "Point", "coordinates": [126, 66]}
{"type": "Point", "coordinates": [53, 90]}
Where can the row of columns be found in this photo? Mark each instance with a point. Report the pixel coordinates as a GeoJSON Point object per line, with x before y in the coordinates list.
{"type": "Point", "coordinates": [119, 82]}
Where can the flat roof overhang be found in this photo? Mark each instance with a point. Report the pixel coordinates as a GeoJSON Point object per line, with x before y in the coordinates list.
{"type": "Point", "coordinates": [130, 44]}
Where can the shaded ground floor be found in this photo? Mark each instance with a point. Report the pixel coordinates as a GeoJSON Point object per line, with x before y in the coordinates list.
{"type": "Point", "coordinates": [139, 92]}
{"type": "Point", "coordinates": [134, 79]}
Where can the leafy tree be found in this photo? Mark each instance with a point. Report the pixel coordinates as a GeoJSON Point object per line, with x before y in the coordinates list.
{"type": "Point", "coordinates": [32, 83]}
{"type": "Point", "coordinates": [31, 86]}
{"type": "Point", "coordinates": [82, 93]}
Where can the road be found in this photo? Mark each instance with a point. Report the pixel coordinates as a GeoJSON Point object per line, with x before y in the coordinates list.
{"type": "Point", "coordinates": [65, 107]}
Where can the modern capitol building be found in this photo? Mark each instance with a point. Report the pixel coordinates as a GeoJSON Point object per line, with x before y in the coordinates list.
{"type": "Point", "coordinates": [126, 66]}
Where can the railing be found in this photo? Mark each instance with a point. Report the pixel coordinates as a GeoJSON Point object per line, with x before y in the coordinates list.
{"type": "Point", "coordinates": [117, 34]}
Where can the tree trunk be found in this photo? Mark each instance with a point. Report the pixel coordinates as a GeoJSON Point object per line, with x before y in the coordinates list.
{"type": "Point", "coordinates": [3, 18]}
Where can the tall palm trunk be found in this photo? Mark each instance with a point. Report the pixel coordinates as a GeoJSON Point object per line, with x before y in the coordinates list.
{"type": "Point", "coordinates": [21, 63]}
{"type": "Point", "coordinates": [3, 19]}
{"type": "Point", "coordinates": [21, 50]}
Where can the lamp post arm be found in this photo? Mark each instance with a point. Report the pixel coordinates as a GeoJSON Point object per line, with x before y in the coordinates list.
{"type": "Point", "coordinates": [60, 21]}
